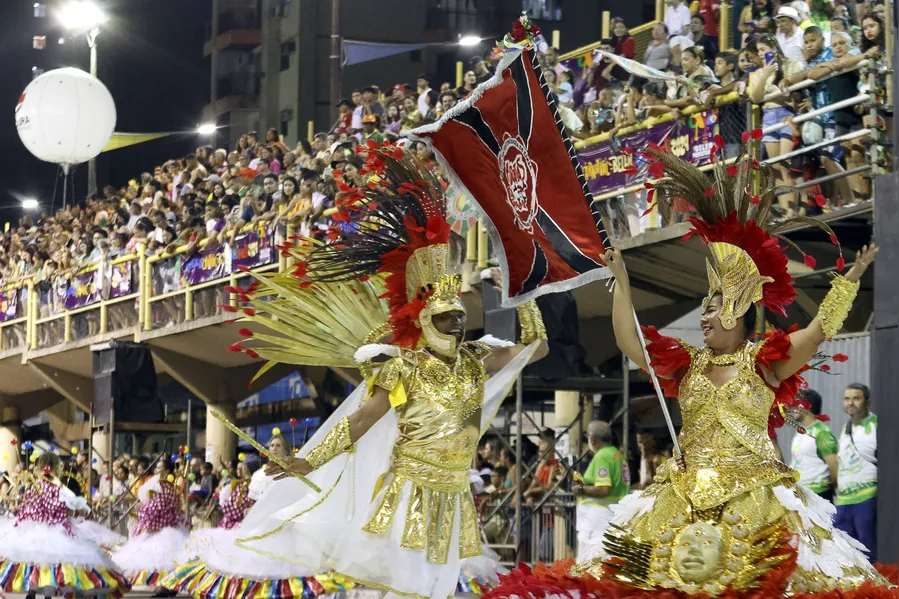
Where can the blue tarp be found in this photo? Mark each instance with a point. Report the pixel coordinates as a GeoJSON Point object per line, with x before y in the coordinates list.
{"type": "Point", "coordinates": [356, 52]}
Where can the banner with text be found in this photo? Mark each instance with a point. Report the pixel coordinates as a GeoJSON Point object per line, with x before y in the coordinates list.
{"type": "Point", "coordinates": [204, 266]}
{"type": "Point", "coordinates": [250, 250]}
{"type": "Point", "coordinates": [607, 168]}
{"type": "Point", "coordinates": [83, 290]}
{"type": "Point", "coordinates": [120, 283]}
{"type": "Point", "coordinates": [9, 305]}
{"type": "Point", "coordinates": [253, 248]}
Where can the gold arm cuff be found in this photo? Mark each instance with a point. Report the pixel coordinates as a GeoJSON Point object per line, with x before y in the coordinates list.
{"type": "Point", "coordinates": [531, 320]}
{"type": "Point", "coordinates": [836, 305]}
{"type": "Point", "coordinates": [335, 443]}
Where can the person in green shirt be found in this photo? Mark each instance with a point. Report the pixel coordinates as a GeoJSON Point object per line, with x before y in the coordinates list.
{"type": "Point", "coordinates": [371, 124]}
{"type": "Point", "coordinates": [814, 452]}
{"type": "Point", "coordinates": [605, 482]}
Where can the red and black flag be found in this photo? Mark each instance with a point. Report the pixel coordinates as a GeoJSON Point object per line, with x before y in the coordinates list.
{"type": "Point", "coordinates": [506, 147]}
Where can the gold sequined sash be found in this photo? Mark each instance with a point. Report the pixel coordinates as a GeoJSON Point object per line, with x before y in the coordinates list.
{"type": "Point", "coordinates": [430, 516]}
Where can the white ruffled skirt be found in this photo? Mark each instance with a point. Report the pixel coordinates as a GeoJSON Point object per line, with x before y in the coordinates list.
{"type": "Point", "coordinates": [146, 558]}
{"type": "Point", "coordinates": [44, 558]}
{"type": "Point", "coordinates": [97, 533]}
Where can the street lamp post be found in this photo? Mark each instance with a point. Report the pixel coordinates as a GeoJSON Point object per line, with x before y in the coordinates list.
{"type": "Point", "coordinates": [92, 163]}
{"type": "Point", "coordinates": [85, 17]}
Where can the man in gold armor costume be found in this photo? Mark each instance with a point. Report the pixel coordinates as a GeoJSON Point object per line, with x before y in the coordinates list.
{"type": "Point", "coordinates": [394, 509]}
{"type": "Point", "coordinates": [724, 517]}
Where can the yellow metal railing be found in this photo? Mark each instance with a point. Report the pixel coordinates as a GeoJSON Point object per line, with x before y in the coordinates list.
{"type": "Point", "coordinates": [96, 311]}
{"type": "Point", "coordinates": [150, 297]}
{"type": "Point", "coordinates": [40, 320]}
{"type": "Point", "coordinates": [653, 121]}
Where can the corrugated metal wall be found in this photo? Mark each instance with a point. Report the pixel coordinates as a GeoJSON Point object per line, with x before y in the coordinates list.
{"type": "Point", "coordinates": [831, 386]}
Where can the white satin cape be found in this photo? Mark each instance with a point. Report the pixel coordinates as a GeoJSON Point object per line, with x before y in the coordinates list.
{"type": "Point", "coordinates": [315, 533]}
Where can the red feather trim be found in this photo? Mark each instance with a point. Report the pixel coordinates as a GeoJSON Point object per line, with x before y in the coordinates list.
{"type": "Point", "coordinates": [764, 250]}
{"type": "Point", "coordinates": [668, 358]}
{"type": "Point", "coordinates": [777, 348]}
{"type": "Point", "coordinates": [544, 581]}
{"type": "Point", "coordinates": [888, 571]}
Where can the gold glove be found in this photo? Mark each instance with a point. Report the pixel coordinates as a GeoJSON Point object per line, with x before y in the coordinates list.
{"type": "Point", "coordinates": [336, 442]}
{"type": "Point", "coordinates": [531, 321]}
{"type": "Point", "coordinates": [836, 305]}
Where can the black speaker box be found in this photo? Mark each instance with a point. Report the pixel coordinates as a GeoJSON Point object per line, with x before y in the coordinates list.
{"type": "Point", "coordinates": [125, 380]}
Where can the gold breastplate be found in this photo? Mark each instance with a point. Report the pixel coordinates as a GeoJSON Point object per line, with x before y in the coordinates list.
{"type": "Point", "coordinates": [725, 432]}
{"type": "Point", "coordinates": [440, 422]}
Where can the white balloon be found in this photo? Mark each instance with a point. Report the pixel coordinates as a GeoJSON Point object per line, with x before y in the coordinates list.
{"type": "Point", "coordinates": [65, 116]}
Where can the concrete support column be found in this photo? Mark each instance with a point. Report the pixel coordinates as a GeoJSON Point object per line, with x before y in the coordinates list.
{"type": "Point", "coordinates": [568, 404]}
{"type": "Point", "coordinates": [10, 428]}
{"type": "Point", "coordinates": [100, 446]}
{"type": "Point", "coordinates": [220, 442]}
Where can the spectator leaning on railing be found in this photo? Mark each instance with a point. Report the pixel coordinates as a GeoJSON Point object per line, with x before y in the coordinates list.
{"type": "Point", "coordinates": [764, 82]}
{"type": "Point", "coordinates": [823, 127]}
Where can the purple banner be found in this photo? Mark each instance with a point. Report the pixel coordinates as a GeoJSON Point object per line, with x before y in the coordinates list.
{"type": "Point", "coordinates": [253, 248]}
{"type": "Point", "coordinates": [607, 168]}
{"type": "Point", "coordinates": [120, 283]}
{"type": "Point", "coordinates": [9, 305]}
{"type": "Point", "coordinates": [82, 290]}
{"type": "Point", "coordinates": [204, 266]}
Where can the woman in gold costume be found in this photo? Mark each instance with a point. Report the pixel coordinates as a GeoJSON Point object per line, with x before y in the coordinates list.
{"type": "Point", "coordinates": [725, 518]}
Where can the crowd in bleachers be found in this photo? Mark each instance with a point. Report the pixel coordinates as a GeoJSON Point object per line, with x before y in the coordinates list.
{"type": "Point", "coordinates": [209, 196]}
{"type": "Point", "coordinates": [780, 44]}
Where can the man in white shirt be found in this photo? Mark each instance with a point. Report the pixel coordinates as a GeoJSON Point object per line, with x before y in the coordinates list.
{"type": "Point", "coordinates": [814, 452]}
{"type": "Point", "coordinates": [424, 86]}
{"type": "Point", "coordinates": [677, 18]}
{"type": "Point", "coordinates": [789, 35]}
{"type": "Point", "coordinates": [356, 123]}
{"type": "Point", "coordinates": [857, 477]}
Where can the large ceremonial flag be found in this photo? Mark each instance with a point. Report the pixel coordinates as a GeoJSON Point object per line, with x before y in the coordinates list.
{"type": "Point", "coordinates": [505, 146]}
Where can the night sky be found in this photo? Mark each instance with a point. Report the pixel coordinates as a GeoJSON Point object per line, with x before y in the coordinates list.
{"type": "Point", "coordinates": [150, 58]}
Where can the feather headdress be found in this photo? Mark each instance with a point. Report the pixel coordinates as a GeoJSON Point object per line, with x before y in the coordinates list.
{"type": "Point", "coordinates": [747, 262]}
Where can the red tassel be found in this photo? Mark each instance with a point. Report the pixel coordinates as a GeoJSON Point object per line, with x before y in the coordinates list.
{"type": "Point", "coordinates": [227, 307]}
{"type": "Point", "coordinates": [745, 136]}
{"type": "Point", "coordinates": [252, 354]}
{"type": "Point", "coordinates": [840, 358]}
{"type": "Point", "coordinates": [245, 333]}
{"type": "Point", "coordinates": [757, 134]}
{"type": "Point", "coordinates": [810, 261]}
{"type": "Point", "coordinates": [841, 264]}
{"type": "Point", "coordinates": [732, 171]}
{"type": "Point", "coordinates": [820, 200]}
{"type": "Point", "coordinates": [249, 311]}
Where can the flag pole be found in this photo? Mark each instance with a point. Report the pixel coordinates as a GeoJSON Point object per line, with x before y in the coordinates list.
{"type": "Point", "coordinates": [604, 236]}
